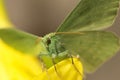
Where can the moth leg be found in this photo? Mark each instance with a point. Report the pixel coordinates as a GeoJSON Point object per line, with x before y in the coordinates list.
{"type": "Point", "coordinates": [42, 63]}
{"type": "Point", "coordinates": [75, 66]}
{"type": "Point", "coordinates": [44, 67]}
{"type": "Point", "coordinates": [84, 77]}
{"type": "Point", "coordinates": [56, 68]}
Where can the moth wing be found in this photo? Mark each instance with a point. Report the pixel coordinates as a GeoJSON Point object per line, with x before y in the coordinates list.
{"type": "Point", "coordinates": [91, 15]}
{"type": "Point", "coordinates": [94, 47]}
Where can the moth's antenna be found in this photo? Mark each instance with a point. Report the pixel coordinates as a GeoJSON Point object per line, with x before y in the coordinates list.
{"type": "Point", "coordinates": [38, 40]}
{"type": "Point", "coordinates": [56, 69]}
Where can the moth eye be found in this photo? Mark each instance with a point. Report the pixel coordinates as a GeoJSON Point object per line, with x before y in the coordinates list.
{"type": "Point", "coordinates": [48, 41]}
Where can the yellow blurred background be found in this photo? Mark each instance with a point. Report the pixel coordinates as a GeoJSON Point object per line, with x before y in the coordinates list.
{"type": "Point", "coordinates": [43, 16]}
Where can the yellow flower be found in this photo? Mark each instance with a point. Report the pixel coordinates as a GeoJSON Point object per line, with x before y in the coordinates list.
{"type": "Point", "coordinates": [15, 65]}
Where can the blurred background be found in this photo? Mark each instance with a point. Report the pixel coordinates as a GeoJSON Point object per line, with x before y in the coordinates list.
{"type": "Point", "coordinates": [43, 16]}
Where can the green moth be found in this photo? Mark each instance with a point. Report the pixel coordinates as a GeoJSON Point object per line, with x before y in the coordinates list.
{"type": "Point", "coordinates": [79, 35]}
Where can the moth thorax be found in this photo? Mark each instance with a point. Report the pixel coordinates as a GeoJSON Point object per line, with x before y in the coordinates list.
{"type": "Point", "coordinates": [53, 44]}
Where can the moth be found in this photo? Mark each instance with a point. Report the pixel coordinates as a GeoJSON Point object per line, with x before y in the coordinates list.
{"type": "Point", "coordinates": [80, 35]}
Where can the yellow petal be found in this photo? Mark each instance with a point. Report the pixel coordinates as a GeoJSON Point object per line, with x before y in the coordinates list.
{"type": "Point", "coordinates": [18, 64]}
{"type": "Point", "coordinates": [15, 65]}
{"type": "Point", "coordinates": [65, 71]}
{"type": "Point", "coordinates": [4, 21]}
